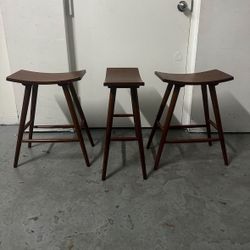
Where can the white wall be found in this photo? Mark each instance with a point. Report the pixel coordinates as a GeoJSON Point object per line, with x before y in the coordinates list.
{"type": "Point", "coordinates": [8, 112]}
{"type": "Point", "coordinates": [35, 35]}
{"type": "Point", "coordinates": [224, 43]}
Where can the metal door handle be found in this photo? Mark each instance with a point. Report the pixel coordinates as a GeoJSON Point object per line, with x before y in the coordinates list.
{"type": "Point", "coordinates": [182, 6]}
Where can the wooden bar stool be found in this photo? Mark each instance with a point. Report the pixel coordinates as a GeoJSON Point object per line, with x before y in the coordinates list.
{"type": "Point", "coordinates": [31, 80]}
{"type": "Point", "coordinates": [123, 78]}
{"type": "Point", "coordinates": [204, 79]}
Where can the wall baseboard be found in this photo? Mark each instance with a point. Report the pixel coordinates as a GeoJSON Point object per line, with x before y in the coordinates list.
{"type": "Point", "coordinates": [8, 120]}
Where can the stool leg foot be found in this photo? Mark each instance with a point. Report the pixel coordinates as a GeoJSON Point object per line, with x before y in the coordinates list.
{"type": "Point", "coordinates": [159, 114]}
{"type": "Point", "coordinates": [25, 106]}
{"type": "Point", "coordinates": [137, 120]}
{"type": "Point", "coordinates": [32, 112]}
{"type": "Point", "coordinates": [218, 122]}
{"type": "Point", "coordinates": [80, 111]}
{"type": "Point", "coordinates": [108, 131]}
{"type": "Point", "coordinates": [166, 125]}
{"type": "Point", "coordinates": [75, 122]}
{"type": "Point", "coordinates": [206, 112]}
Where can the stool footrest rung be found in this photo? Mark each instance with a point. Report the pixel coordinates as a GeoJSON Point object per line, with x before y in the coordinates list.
{"type": "Point", "coordinates": [213, 124]}
{"type": "Point", "coordinates": [55, 126]}
{"type": "Point", "coordinates": [50, 126]}
{"type": "Point", "coordinates": [188, 126]}
{"type": "Point", "coordinates": [124, 138]}
{"type": "Point", "coordinates": [52, 140]}
{"type": "Point", "coordinates": [183, 126]}
{"type": "Point", "coordinates": [27, 125]}
{"type": "Point", "coordinates": [196, 140]}
{"type": "Point", "coordinates": [123, 115]}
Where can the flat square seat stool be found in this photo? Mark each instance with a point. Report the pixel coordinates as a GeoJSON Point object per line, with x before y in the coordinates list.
{"type": "Point", "coordinates": [205, 79]}
{"type": "Point", "coordinates": [31, 80]}
{"type": "Point", "coordinates": [123, 78]}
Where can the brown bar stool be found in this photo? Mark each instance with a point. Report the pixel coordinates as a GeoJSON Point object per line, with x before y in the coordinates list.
{"type": "Point", "coordinates": [204, 79]}
{"type": "Point", "coordinates": [123, 78]}
{"type": "Point", "coordinates": [31, 81]}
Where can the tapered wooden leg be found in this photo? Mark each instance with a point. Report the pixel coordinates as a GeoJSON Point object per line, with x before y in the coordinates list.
{"type": "Point", "coordinates": [80, 111]}
{"type": "Point", "coordinates": [75, 122]}
{"type": "Point", "coordinates": [166, 125]}
{"type": "Point", "coordinates": [108, 131]}
{"type": "Point", "coordinates": [137, 120]}
{"type": "Point", "coordinates": [160, 112]}
{"type": "Point", "coordinates": [218, 122]}
{"type": "Point", "coordinates": [206, 111]}
{"type": "Point", "coordinates": [25, 106]}
{"type": "Point", "coordinates": [32, 112]}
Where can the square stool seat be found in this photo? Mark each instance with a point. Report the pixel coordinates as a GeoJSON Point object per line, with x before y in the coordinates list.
{"type": "Point", "coordinates": [123, 78]}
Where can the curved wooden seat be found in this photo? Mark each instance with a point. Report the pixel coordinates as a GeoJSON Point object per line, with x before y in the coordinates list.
{"type": "Point", "coordinates": [31, 77]}
{"type": "Point", "coordinates": [202, 78]}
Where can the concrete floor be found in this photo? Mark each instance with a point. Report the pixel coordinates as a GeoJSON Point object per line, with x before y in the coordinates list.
{"type": "Point", "coordinates": [53, 201]}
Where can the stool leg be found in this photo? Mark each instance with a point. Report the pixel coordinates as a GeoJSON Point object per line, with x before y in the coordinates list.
{"type": "Point", "coordinates": [166, 125]}
{"type": "Point", "coordinates": [32, 112]}
{"type": "Point", "coordinates": [80, 111]}
{"type": "Point", "coordinates": [75, 122]}
{"type": "Point", "coordinates": [159, 114]}
{"type": "Point", "coordinates": [108, 131]}
{"type": "Point", "coordinates": [25, 106]}
{"type": "Point", "coordinates": [137, 120]}
{"type": "Point", "coordinates": [206, 112]}
{"type": "Point", "coordinates": [218, 122]}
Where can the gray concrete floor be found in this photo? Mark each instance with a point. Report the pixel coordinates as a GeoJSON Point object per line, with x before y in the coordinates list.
{"type": "Point", "coordinates": [53, 201]}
